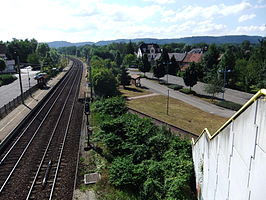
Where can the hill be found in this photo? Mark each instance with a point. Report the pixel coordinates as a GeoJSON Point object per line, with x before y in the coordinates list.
{"type": "Point", "coordinates": [57, 44]}
{"type": "Point", "coordinates": [236, 39]}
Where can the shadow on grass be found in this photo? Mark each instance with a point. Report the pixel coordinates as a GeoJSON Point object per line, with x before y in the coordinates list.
{"type": "Point", "coordinates": [207, 97]}
{"type": "Point", "coordinates": [132, 89]}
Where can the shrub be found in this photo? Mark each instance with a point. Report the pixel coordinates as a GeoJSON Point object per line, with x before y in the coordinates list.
{"type": "Point", "coordinates": [175, 86]}
{"type": "Point", "coordinates": [6, 79]}
{"type": "Point", "coordinates": [228, 105]}
{"type": "Point", "coordinates": [114, 106]}
{"type": "Point", "coordinates": [187, 91]}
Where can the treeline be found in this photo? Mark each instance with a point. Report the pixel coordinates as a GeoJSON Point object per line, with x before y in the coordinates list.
{"type": "Point", "coordinates": [144, 161]}
{"type": "Point", "coordinates": [238, 66]}
{"type": "Point", "coordinates": [30, 52]}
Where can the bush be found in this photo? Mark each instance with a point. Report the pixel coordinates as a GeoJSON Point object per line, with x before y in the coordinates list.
{"type": "Point", "coordinates": [114, 106]}
{"type": "Point", "coordinates": [187, 91]}
{"type": "Point", "coordinates": [229, 105]}
{"type": "Point", "coordinates": [6, 79]}
{"type": "Point", "coordinates": [146, 160]}
{"type": "Point", "coordinates": [175, 86]}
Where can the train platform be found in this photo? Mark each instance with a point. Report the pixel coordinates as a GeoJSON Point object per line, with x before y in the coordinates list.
{"type": "Point", "coordinates": [12, 120]}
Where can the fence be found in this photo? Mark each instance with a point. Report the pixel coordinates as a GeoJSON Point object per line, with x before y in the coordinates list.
{"type": "Point", "coordinates": [6, 109]}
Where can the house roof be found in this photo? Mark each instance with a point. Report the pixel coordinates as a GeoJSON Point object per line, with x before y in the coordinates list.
{"type": "Point", "coordinates": [145, 47]}
{"type": "Point", "coordinates": [195, 50]}
{"type": "Point", "coordinates": [193, 57]}
{"type": "Point", "coordinates": [135, 76]}
{"type": "Point", "coordinates": [178, 56]}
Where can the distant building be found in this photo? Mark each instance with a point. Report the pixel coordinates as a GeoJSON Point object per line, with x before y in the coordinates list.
{"type": "Point", "coordinates": [190, 58]}
{"type": "Point", "coordinates": [152, 50]}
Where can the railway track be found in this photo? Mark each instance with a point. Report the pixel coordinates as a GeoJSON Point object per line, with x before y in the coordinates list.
{"type": "Point", "coordinates": [40, 162]}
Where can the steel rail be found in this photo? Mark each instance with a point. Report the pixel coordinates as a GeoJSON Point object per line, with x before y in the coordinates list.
{"type": "Point", "coordinates": [63, 145]}
{"type": "Point", "coordinates": [37, 115]}
{"type": "Point", "coordinates": [51, 138]}
{"type": "Point", "coordinates": [35, 133]}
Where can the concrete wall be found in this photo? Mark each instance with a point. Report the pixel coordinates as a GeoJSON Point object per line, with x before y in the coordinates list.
{"type": "Point", "coordinates": [232, 165]}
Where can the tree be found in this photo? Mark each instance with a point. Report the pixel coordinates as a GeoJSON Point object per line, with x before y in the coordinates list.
{"type": "Point", "coordinates": [130, 48]}
{"type": "Point", "coordinates": [118, 59]}
{"type": "Point", "coordinates": [145, 66]}
{"type": "Point", "coordinates": [43, 49]}
{"type": "Point", "coordinates": [228, 63]}
{"type": "Point", "coordinates": [21, 48]}
{"type": "Point", "coordinates": [104, 82]}
{"type": "Point", "coordinates": [191, 77]}
{"type": "Point", "coordinates": [129, 60]}
{"type": "Point", "coordinates": [210, 59]}
{"type": "Point", "coordinates": [158, 70]}
{"type": "Point", "coordinates": [125, 78]}
{"type": "Point", "coordinates": [173, 67]}
{"type": "Point", "coordinates": [2, 64]}
{"type": "Point", "coordinates": [214, 86]}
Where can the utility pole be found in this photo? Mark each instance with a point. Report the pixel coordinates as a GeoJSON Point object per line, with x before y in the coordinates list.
{"type": "Point", "coordinates": [167, 104]}
{"type": "Point", "coordinates": [20, 82]}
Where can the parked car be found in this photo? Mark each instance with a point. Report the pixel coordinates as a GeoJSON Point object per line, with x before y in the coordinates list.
{"type": "Point", "coordinates": [40, 75]}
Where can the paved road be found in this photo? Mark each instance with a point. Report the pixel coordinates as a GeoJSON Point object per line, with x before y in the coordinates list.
{"type": "Point", "coordinates": [196, 102]}
{"type": "Point", "coordinates": [12, 90]}
{"type": "Point", "coordinates": [229, 95]}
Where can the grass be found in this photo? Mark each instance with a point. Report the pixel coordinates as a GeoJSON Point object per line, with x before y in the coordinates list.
{"type": "Point", "coordinates": [132, 91]}
{"type": "Point", "coordinates": [181, 114]}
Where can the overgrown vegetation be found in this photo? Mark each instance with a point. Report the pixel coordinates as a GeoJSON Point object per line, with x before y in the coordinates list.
{"type": "Point", "coordinates": [144, 161]}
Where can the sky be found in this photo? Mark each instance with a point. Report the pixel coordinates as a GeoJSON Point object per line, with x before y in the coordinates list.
{"type": "Point", "coordinates": [95, 20]}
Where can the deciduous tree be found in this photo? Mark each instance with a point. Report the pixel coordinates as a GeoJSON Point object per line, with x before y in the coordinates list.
{"type": "Point", "coordinates": [191, 77]}
{"type": "Point", "coordinates": [2, 64]}
{"type": "Point", "coordinates": [145, 66]}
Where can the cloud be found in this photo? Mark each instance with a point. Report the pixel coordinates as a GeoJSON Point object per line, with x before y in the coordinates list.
{"type": "Point", "coordinates": [195, 12]}
{"type": "Point", "coordinates": [161, 1]}
{"type": "Point", "coordinates": [233, 9]}
{"type": "Point", "coordinates": [243, 18]}
{"type": "Point", "coordinates": [251, 30]}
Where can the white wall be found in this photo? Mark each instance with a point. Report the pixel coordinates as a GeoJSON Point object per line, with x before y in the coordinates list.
{"type": "Point", "coordinates": [232, 165]}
